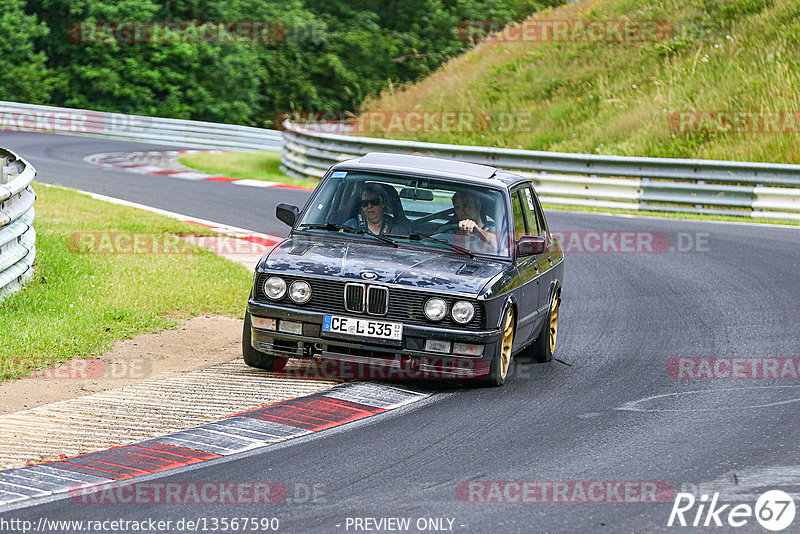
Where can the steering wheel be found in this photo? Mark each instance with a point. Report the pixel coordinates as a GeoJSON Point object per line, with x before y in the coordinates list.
{"type": "Point", "coordinates": [448, 228]}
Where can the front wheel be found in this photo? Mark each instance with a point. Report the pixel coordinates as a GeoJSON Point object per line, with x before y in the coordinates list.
{"type": "Point", "coordinates": [498, 371]}
{"type": "Point", "coordinates": [254, 358]}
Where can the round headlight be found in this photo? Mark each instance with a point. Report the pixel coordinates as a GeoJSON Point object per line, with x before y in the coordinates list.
{"type": "Point", "coordinates": [463, 312]}
{"type": "Point", "coordinates": [300, 291]}
{"type": "Point", "coordinates": [435, 309]}
{"type": "Point", "coordinates": [274, 287]}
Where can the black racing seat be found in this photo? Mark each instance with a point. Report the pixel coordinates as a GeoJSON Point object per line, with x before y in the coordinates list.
{"type": "Point", "coordinates": [396, 207]}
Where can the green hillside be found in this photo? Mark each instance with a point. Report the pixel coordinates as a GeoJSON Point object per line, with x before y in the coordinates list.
{"type": "Point", "coordinates": [621, 97]}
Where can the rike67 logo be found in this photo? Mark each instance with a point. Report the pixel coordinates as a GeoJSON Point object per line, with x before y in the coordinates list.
{"type": "Point", "coordinates": [774, 510]}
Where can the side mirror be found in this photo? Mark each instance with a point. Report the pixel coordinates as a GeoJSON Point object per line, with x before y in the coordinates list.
{"type": "Point", "coordinates": [530, 245]}
{"type": "Point", "coordinates": [287, 213]}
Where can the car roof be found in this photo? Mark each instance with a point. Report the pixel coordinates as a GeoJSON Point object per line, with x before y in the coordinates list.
{"type": "Point", "coordinates": [438, 167]}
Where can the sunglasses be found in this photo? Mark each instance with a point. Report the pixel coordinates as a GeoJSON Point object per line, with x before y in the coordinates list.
{"type": "Point", "coordinates": [374, 201]}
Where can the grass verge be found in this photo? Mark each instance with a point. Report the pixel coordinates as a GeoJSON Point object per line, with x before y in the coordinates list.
{"type": "Point", "coordinates": [623, 98]}
{"type": "Point", "coordinates": [245, 165]}
{"type": "Point", "coordinates": [78, 305]}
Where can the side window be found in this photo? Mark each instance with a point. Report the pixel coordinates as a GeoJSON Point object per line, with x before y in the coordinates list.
{"type": "Point", "coordinates": [519, 218]}
{"type": "Point", "coordinates": [540, 216]}
{"type": "Point", "coordinates": [528, 206]}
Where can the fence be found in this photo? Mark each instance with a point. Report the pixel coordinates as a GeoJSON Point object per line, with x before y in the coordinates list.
{"type": "Point", "coordinates": [16, 117]}
{"type": "Point", "coordinates": [17, 236]}
{"type": "Point", "coordinates": [767, 190]}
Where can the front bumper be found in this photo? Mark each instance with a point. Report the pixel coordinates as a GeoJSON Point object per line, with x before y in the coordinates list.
{"type": "Point", "coordinates": [365, 358]}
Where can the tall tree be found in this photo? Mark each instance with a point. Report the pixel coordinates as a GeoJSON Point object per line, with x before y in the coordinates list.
{"type": "Point", "coordinates": [23, 74]}
{"type": "Point", "coordinates": [326, 54]}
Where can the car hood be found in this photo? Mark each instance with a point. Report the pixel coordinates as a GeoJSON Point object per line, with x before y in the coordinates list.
{"type": "Point", "coordinates": [364, 262]}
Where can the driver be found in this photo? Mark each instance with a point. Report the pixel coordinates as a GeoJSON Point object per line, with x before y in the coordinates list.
{"type": "Point", "coordinates": [372, 216]}
{"type": "Point", "coordinates": [467, 206]}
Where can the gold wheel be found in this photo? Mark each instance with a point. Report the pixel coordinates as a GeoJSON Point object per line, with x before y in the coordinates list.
{"type": "Point", "coordinates": [508, 339]}
{"type": "Point", "coordinates": [554, 324]}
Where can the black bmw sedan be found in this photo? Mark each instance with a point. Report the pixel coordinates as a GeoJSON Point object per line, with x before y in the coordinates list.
{"type": "Point", "coordinates": [420, 268]}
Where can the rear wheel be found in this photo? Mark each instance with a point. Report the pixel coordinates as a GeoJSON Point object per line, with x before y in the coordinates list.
{"type": "Point", "coordinates": [544, 347]}
{"type": "Point", "coordinates": [501, 362]}
{"type": "Point", "coordinates": [254, 358]}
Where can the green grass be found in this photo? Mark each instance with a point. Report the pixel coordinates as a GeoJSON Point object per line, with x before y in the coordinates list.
{"type": "Point", "coordinates": [78, 305]}
{"type": "Point", "coordinates": [252, 165]}
{"type": "Point", "coordinates": [616, 98]}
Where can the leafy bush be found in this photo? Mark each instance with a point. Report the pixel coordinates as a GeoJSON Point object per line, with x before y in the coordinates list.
{"type": "Point", "coordinates": [23, 75]}
{"type": "Point", "coordinates": [334, 54]}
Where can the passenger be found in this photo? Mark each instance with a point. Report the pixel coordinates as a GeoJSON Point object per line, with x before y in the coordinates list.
{"type": "Point", "coordinates": [470, 221]}
{"type": "Point", "coordinates": [373, 216]}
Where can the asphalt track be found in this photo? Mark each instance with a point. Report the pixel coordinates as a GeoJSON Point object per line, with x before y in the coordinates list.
{"type": "Point", "coordinates": [624, 316]}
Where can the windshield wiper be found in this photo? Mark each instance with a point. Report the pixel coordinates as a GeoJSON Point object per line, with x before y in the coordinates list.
{"type": "Point", "coordinates": [335, 227]}
{"type": "Point", "coordinates": [420, 237]}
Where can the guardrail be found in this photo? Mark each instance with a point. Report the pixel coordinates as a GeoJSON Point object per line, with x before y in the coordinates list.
{"type": "Point", "coordinates": [17, 236]}
{"type": "Point", "coordinates": [191, 134]}
{"type": "Point", "coordinates": [768, 190]}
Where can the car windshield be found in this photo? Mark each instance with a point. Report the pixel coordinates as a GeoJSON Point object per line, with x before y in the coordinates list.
{"type": "Point", "coordinates": [431, 212]}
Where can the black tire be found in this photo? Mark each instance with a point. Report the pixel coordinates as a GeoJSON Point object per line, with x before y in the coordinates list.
{"type": "Point", "coordinates": [501, 363]}
{"type": "Point", "coordinates": [256, 359]}
{"type": "Point", "coordinates": [544, 347]}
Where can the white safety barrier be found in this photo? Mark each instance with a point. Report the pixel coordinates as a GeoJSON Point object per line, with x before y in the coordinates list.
{"type": "Point", "coordinates": [17, 236]}
{"type": "Point", "coordinates": [769, 190]}
{"type": "Point", "coordinates": [16, 117]}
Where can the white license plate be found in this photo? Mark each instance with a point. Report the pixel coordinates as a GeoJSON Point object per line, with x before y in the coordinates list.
{"type": "Point", "coordinates": [363, 327]}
